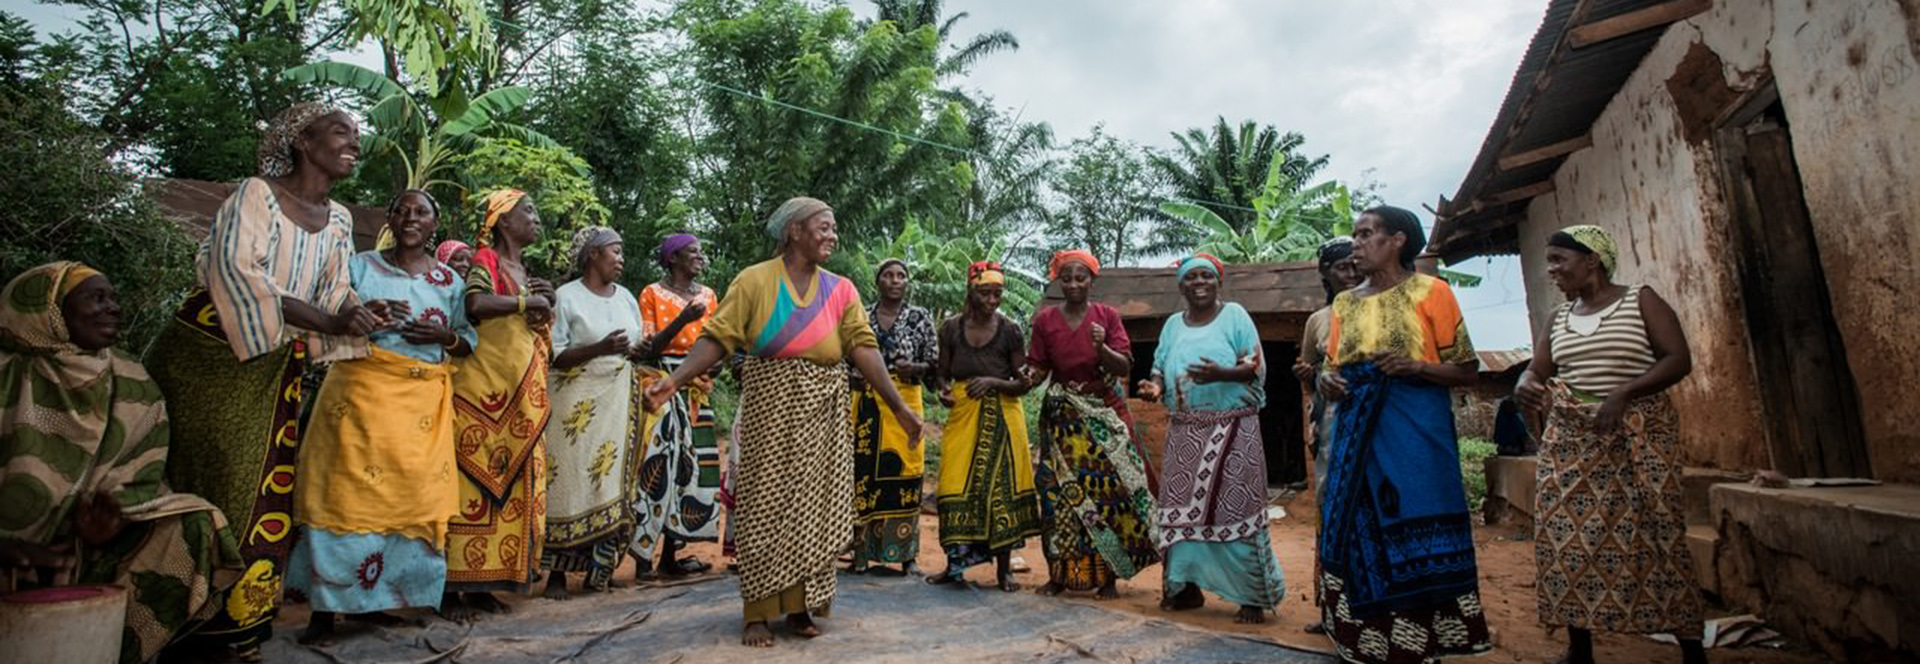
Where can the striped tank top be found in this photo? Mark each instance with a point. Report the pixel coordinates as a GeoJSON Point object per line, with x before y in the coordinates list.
{"type": "Point", "coordinates": [1601, 359]}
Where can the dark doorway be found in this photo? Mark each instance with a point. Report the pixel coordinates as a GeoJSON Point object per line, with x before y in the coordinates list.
{"type": "Point", "coordinates": [1809, 403]}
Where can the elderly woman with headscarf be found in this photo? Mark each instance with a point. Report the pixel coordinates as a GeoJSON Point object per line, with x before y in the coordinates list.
{"type": "Point", "coordinates": [456, 255]}
{"type": "Point", "coordinates": [273, 298]}
{"type": "Point", "coordinates": [985, 496]}
{"type": "Point", "coordinates": [797, 322]}
{"type": "Point", "coordinates": [1213, 510]}
{"type": "Point", "coordinates": [886, 470]}
{"type": "Point", "coordinates": [1611, 457]}
{"type": "Point", "coordinates": [596, 327]}
{"type": "Point", "coordinates": [1096, 493]}
{"type": "Point", "coordinates": [83, 451]}
{"type": "Point", "coordinates": [378, 490]}
{"type": "Point", "coordinates": [1398, 580]}
{"type": "Point", "coordinates": [680, 473]}
{"type": "Point", "coordinates": [500, 411]}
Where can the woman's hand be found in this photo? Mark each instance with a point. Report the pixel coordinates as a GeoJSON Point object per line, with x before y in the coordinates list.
{"type": "Point", "coordinates": [1304, 371]}
{"type": "Point", "coordinates": [1098, 333]}
{"type": "Point", "coordinates": [1531, 392]}
{"type": "Point", "coordinates": [657, 394]}
{"type": "Point", "coordinates": [911, 424]}
{"type": "Point", "coordinates": [1612, 410]}
{"type": "Point", "coordinates": [540, 287]}
{"type": "Point", "coordinates": [983, 387]}
{"type": "Point", "coordinates": [1150, 389]}
{"type": "Point", "coordinates": [423, 332]}
{"type": "Point", "coordinates": [393, 313]}
{"type": "Point", "coordinates": [1206, 371]}
{"type": "Point", "coordinates": [355, 321]}
{"type": "Point", "coordinates": [615, 343]}
{"type": "Point", "coordinates": [99, 519]}
{"type": "Point", "coordinates": [690, 314]}
{"type": "Point", "coordinates": [1333, 386]}
{"type": "Point", "coordinates": [946, 398]}
{"type": "Point", "coordinates": [1398, 366]}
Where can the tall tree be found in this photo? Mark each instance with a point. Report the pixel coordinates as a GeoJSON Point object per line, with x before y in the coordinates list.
{"type": "Point", "coordinates": [1222, 168]}
{"type": "Point", "coordinates": [913, 14]}
{"type": "Point", "coordinates": [1108, 197]}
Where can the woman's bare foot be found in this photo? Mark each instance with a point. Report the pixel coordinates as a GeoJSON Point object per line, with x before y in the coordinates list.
{"type": "Point", "coordinates": [1188, 599]}
{"type": "Point", "coordinates": [883, 570]}
{"type": "Point", "coordinates": [380, 618]}
{"type": "Point", "coordinates": [1108, 591]}
{"type": "Point", "coordinates": [1052, 588]}
{"type": "Point", "coordinates": [319, 631]}
{"type": "Point", "coordinates": [950, 579]}
{"type": "Point", "coordinates": [802, 625]}
{"type": "Point", "coordinates": [557, 587]}
{"type": "Point", "coordinates": [756, 635]}
{"type": "Point", "coordinates": [455, 608]}
{"type": "Point", "coordinates": [1251, 615]}
{"type": "Point", "coordinates": [487, 602]}
{"type": "Point", "coordinates": [1316, 628]}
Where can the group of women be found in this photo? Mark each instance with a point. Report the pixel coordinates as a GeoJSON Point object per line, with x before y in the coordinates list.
{"type": "Point", "coordinates": [425, 426]}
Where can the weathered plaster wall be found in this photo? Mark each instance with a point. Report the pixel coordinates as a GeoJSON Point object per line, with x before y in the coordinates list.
{"type": "Point", "coordinates": [1849, 76]}
{"type": "Point", "coordinates": [1850, 85]}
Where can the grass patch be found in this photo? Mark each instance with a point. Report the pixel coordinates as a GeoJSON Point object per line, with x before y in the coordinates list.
{"type": "Point", "coordinates": [1474, 452]}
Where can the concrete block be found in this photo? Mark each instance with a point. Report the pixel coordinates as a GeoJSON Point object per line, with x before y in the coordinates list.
{"type": "Point", "coordinates": [1510, 488]}
{"type": "Point", "coordinates": [1694, 483]}
{"type": "Point", "coordinates": [1703, 544]}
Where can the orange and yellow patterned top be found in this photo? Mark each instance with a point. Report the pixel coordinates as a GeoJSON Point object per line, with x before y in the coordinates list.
{"type": "Point", "coordinates": [659, 306]}
{"type": "Point", "coordinates": [1417, 318]}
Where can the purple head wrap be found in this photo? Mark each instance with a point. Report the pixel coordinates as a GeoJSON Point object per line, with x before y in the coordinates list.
{"type": "Point", "coordinates": [672, 245]}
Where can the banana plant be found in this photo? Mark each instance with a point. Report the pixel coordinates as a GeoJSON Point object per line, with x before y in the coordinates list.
{"type": "Point", "coordinates": [939, 268]}
{"type": "Point", "coordinates": [425, 137]}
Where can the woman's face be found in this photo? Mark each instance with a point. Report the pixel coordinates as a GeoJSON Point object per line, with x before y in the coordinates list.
{"type": "Point", "coordinates": [1201, 287]}
{"type": "Point", "coordinates": [1374, 246]}
{"type": "Point", "coordinates": [330, 144]}
{"type": "Point", "coordinates": [1343, 274]}
{"type": "Point", "coordinates": [690, 259]}
{"type": "Point", "coordinates": [892, 281]}
{"type": "Point", "coordinates": [985, 298]}
{"type": "Point", "coordinates": [522, 223]}
{"type": "Point", "coordinates": [91, 314]}
{"type": "Point", "coordinates": [608, 262]}
{"type": "Point", "coordinates": [412, 221]}
{"type": "Point", "coordinates": [1076, 281]}
{"type": "Point", "coordinates": [461, 259]}
{"type": "Point", "coordinates": [1572, 270]}
{"type": "Point", "coordinates": [816, 237]}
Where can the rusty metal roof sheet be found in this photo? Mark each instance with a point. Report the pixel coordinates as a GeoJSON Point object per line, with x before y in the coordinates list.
{"type": "Point", "coordinates": [1499, 361]}
{"type": "Point", "coordinates": [192, 204]}
{"type": "Point", "coordinates": [1557, 93]}
{"type": "Point", "coordinates": [1266, 288]}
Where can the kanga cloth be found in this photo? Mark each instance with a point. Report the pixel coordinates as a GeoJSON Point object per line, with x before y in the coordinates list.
{"type": "Point", "coordinates": [794, 491]}
{"type": "Point", "coordinates": [75, 423]}
{"type": "Point", "coordinates": [887, 475]}
{"type": "Point", "coordinates": [1610, 531]}
{"type": "Point", "coordinates": [676, 493]}
{"type": "Point", "coordinates": [985, 494]}
{"type": "Point", "coordinates": [591, 437]}
{"type": "Point", "coordinates": [1213, 507]}
{"type": "Point", "coordinates": [500, 410]}
{"type": "Point", "coordinates": [1096, 506]}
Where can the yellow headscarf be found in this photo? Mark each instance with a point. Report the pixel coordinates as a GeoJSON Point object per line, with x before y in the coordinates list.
{"type": "Point", "coordinates": [499, 201]}
{"type": "Point", "coordinates": [1598, 241]}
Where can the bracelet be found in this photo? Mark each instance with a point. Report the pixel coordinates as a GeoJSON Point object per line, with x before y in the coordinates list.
{"type": "Point", "coordinates": [521, 302]}
{"type": "Point", "coordinates": [451, 346]}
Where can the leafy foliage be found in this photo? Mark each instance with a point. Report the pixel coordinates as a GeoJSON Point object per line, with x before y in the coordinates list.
{"type": "Point", "coordinates": [1286, 223]}
{"type": "Point", "coordinates": [1107, 194]}
{"type": "Point", "coordinates": [939, 267]}
{"type": "Point", "coordinates": [551, 177]}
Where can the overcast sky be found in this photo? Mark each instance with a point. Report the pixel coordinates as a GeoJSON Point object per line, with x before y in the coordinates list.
{"type": "Point", "coordinates": [1401, 91]}
{"type": "Point", "coordinates": [1404, 88]}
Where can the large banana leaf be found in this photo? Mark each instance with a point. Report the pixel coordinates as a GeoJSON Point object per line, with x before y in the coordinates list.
{"type": "Point", "coordinates": [368, 82]}
{"type": "Point", "coordinates": [494, 106]}
{"type": "Point", "coordinates": [1199, 215]}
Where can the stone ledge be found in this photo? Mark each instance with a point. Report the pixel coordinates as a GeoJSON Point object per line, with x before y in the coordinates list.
{"type": "Point", "coordinates": [1836, 567]}
{"type": "Point", "coordinates": [1510, 489]}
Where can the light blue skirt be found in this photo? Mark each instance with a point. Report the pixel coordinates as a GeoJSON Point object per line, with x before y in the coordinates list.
{"type": "Point", "coordinates": [365, 572]}
{"type": "Point", "coordinates": [1244, 571]}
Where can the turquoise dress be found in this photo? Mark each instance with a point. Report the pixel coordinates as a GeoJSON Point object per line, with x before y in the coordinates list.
{"type": "Point", "coordinates": [1213, 482]}
{"type": "Point", "coordinates": [368, 572]}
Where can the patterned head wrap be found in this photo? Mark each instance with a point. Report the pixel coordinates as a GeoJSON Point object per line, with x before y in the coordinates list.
{"type": "Point", "coordinates": [1335, 250]}
{"type": "Point", "coordinates": [498, 202]}
{"type": "Point", "coordinates": [1589, 239]}
{"type": "Point", "coordinates": [1062, 258]}
{"type": "Point", "coordinates": [1199, 262]}
{"type": "Point", "coordinates": [588, 239]}
{"type": "Point", "coordinates": [276, 147]}
{"type": "Point", "coordinates": [30, 316]}
{"type": "Point", "coordinates": [985, 272]}
{"type": "Point", "coordinates": [448, 249]}
{"type": "Point", "coordinates": [798, 208]}
{"type": "Point", "coordinates": [672, 245]}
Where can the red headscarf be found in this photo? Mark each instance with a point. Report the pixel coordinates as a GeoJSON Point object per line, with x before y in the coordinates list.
{"type": "Point", "coordinates": [1062, 258]}
{"type": "Point", "coordinates": [985, 272]}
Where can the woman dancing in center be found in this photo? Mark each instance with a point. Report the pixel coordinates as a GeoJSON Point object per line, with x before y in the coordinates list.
{"type": "Point", "coordinates": [794, 492]}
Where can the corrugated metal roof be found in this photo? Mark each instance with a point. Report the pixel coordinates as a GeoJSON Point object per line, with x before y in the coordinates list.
{"type": "Point", "coordinates": [1266, 288]}
{"type": "Point", "coordinates": [1499, 361]}
{"type": "Point", "coordinates": [192, 204]}
{"type": "Point", "coordinates": [1557, 93]}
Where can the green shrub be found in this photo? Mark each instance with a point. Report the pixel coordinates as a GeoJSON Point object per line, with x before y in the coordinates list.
{"type": "Point", "coordinates": [1473, 468]}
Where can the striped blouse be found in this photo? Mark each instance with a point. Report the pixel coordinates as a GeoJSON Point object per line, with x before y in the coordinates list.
{"type": "Point", "coordinates": [1601, 360]}
{"type": "Point", "coordinates": [764, 316]}
{"type": "Point", "coordinates": [254, 255]}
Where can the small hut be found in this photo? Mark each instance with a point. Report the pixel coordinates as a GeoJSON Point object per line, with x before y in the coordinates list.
{"type": "Point", "coordinates": [1280, 297]}
{"type": "Point", "coordinates": [192, 204]}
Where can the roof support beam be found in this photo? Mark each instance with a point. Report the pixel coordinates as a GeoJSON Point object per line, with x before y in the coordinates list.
{"type": "Point", "coordinates": [1635, 21]}
{"type": "Point", "coordinates": [1517, 194]}
{"type": "Point", "coordinates": [1545, 152]}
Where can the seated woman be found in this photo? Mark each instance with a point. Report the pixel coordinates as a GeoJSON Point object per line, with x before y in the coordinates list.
{"type": "Point", "coordinates": [83, 457]}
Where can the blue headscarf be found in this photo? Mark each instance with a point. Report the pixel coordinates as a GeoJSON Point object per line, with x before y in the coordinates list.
{"type": "Point", "coordinates": [1198, 262]}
